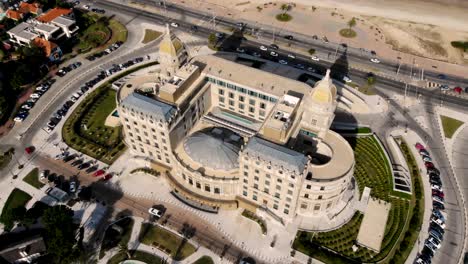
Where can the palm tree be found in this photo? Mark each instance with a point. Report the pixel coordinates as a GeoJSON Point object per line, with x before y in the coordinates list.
{"type": "Point", "coordinates": [285, 8]}
{"type": "Point", "coordinates": [123, 249]}
{"type": "Point", "coordinates": [351, 23]}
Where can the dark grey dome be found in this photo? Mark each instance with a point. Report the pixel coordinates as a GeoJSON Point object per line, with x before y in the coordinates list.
{"type": "Point", "coordinates": [215, 148]}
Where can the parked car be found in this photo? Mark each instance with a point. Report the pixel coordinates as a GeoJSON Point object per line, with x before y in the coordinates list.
{"type": "Point", "coordinates": [263, 48]}
{"type": "Point", "coordinates": [69, 158]}
{"type": "Point", "coordinates": [107, 177]}
{"type": "Point", "coordinates": [315, 58]}
{"type": "Point", "coordinates": [436, 187]}
{"type": "Point", "coordinates": [433, 170]}
{"type": "Point", "coordinates": [429, 164]}
{"type": "Point", "coordinates": [83, 166]}
{"type": "Point", "coordinates": [155, 212]}
{"type": "Point", "coordinates": [347, 79]}
{"type": "Point", "coordinates": [174, 24]}
{"type": "Point", "coordinates": [375, 60]}
{"type": "Point", "coordinates": [438, 193]}
{"type": "Point", "coordinates": [99, 173]}
{"type": "Point", "coordinates": [291, 56]}
{"type": "Point", "coordinates": [77, 162]}
{"type": "Point", "coordinates": [438, 205]}
{"type": "Point", "coordinates": [274, 46]}
{"type": "Point", "coordinates": [43, 175]}
{"type": "Point", "coordinates": [426, 158]}
{"type": "Point", "coordinates": [444, 87]}
{"type": "Point", "coordinates": [274, 54]}
{"type": "Point", "coordinates": [289, 37]}
{"type": "Point", "coordinates": [72, 186]}
{"type": "Point", "coordinates": [424, 152]}
{"type": "Point", "coordinates": [35, 95]}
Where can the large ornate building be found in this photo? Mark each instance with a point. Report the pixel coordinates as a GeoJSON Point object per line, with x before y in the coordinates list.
{"type": "Point", "coordinates": [231, 135]}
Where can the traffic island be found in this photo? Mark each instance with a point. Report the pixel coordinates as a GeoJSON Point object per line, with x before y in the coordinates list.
{"type": "Point", "coordinates": [283, 17]}
{"type": "Point", "coordinates": [348, 33]}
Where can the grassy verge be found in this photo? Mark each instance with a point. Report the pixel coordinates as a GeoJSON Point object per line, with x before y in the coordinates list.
{"type": "Point", "coordinates": [177, 247]}
{"type": "Point", "coordinates": [252, 216]}
{"type": "Point", "coordinates": [372, 170]}
{"type": "Point", "coordinates": [348, 33]}
{"type": "Point", "coordinates": [204, 260]}
{"type": "Point", "coordinates": [411, 235]}
{"type": "Point", "coordinates": [114, 236]}
{"type": "Point", "coordinates": [17, 199]}
{"type": "Point", "coordinates": [450, 125]}
{"type": "Point", "coordinates": [33, 178]}
{"type": "Point", "coordinates": [284, 17]}
{"type": "Point", "coordinates": [147, 171]}
{"type": "Point", "coordinates": [119, 31]}
{"type": "Point", "coordinates": [150, 35]}
{"type": "Point", "coordinates": [135, 255]}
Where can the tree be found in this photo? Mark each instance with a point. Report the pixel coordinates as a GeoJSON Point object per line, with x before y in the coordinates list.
{"type": "Point", "coordinates": [60, 234]}
{"type": "Point", "coordinates": [212, 39]}
{"type": "Point", "coordinates": [123, 249]}
{"type": "Point", "coordinates": [370, 78]}
{"type": "Point", "coordinates": [352, 23]}
{"type": "Point", "coordinates": [285, 8]}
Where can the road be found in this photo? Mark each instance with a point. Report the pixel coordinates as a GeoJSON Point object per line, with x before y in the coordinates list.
{"type": "Point", "coordinates": [270, 33]}
{"type": "Point", "coordinates": [360, 76]}
{"type": "Point", "coordinates": [206, 234]}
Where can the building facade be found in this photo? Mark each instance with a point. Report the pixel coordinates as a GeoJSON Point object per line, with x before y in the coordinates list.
{"type": "Point", "coordinates": [231, 135]}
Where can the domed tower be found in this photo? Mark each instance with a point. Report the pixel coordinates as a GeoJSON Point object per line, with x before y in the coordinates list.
{"type": "Point", "coordinates": [319, 107]}
{"type": "Point", "coordinates": [172, 54]}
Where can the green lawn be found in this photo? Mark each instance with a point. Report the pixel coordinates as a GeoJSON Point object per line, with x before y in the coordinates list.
{"type": "Point", "coordinates": [119, 31]}
{"type": "Point", "coordinates": [85, 131]}
{"type": "Point", "coordinates": [348, 33]}
{"type": "Point", "coordinates": [33, 178]}
{"type": "Point", "coordinates": [204, 260]}
{"type": "Point", "coordinates": [450, 125]}
{"type": "Point", "coordinates": [150, 35]}
{"type": "Point", "coordinates": [112, 238]}
{"type": "Point", "coordinates": [136, 255]}
{"type": "Point", "coordinates": [372, 169]}
{"type": "Point", "coordinates": [17, 198]}
{"type": "Point", "coordinates": [169, 242]}
{"type": "Point", "coordinates": [284, 17]}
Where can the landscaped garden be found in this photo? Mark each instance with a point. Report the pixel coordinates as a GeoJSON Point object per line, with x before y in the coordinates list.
{"type": "Point", "coordinates": [14, 206]}
{"type": "Point", "coordinates": [33, 178]}
{"type": "Point", "coordinates": [177, 247]}
{"type": "Point", "coordinates": [6, 158]}
{"type": "Point", "coordinates": [204, 260]}
{"type": "Point", "coordinates": [372, 170]}
{"type": "Point", "coordinates": [117, 233]}
{"type": "Point", "coordinates": [99, 31]}
{"type": "Point", "coordinates": [85, 129]}
{"type": "Point", "coordinates": [135, 255]}
{"type": "Point", "coordinates": [450, 125]}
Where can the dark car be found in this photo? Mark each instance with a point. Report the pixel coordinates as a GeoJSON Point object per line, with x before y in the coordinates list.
{"type": "Point", "coordinates": [84, 166]}
{"type": "Point", "coordinates": [442, 76]}
{"type": "Point", "coordinates": [438, 205]}
{"type": "Point", "coordinates": [69, 158]}
{"type": "Point", "coordinates": [289, 37]}
{"type": "Point", "coordinates": [438, 193]}
{"type": "Point", "coordinates": [274, 46]}
{"type": "Point", "coordinates": [194, 28]}
{"type": "Point", "coordinates": [51, 177]}
{"type": "Point", "coordinates": [77, 162]}
{"type": "Point", "coordinates": [429, 164]}
{"type": "Point", "coordinates": [437, 228]}
{"type": "Point", "coordinates": [433, 170]}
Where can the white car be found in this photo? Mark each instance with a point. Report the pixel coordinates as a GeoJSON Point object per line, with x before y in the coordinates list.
{"type": "Point", "coordinates": [43, 176]}
{"type": "Point", "coordinates": [427, 159]}
{"type": "Point", "coordinates": [291, 56]}
{"type": "Point", "coordinates": [26, 106]}
{"type": "Point", "coordinates": [439, 223]}
{"type": "Point", "coordinates": [444, 87]}
{"type": "Point", "coordinates": [48, 129]}
{"type": "Point", "coordinates": [155, 212]}
{"type": "Point", "coordinates": [87, 7]}
{"type": "Point", "coordinates": [263, 48]}
{"type": "Point", "coordinates": [174, 24]}
{"type": "Point", "coordinates": [283, 62]}
{"type": "Point", "coordinates": [434, 242]}
{"type": "Point", "coordinates": [241, 50]}
{"type": "Point", "coordinates": [274, 54]}
{"type": "Point", "coordinates": [35, 95]}
{"type": "Point", "coordinates": [436, 187]}
{"type": "Point", "coordinates": [72, 186]}
{"type": "Point", "coordinates": [314, 58]}
{"type": "Point", "coordinates": [375, 60]}
{"type": "Point", "coordinates": [41, 88]}
{"type": "Point", "coordinates": [347, 79]}
{"type": "Point", "coordinates": [18, 119]}
{"type": "Point", "coordinates": [73, 99]}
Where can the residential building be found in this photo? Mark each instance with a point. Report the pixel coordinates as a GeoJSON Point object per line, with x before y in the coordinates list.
{"type": "Point", "coordinates": [21, 247]}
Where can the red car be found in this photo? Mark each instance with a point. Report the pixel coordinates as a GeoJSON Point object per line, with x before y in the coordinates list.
{"type": "Point", "coordinates": [419, 146]}
{"type": "Point", "coordinates": [458, 90]}
{"type": "Point", "coordinates": [438, 193]}
{"type": "Point", "coordinates": [107, 177]}
{"type": "Point", "coordinates": [29, 149]}
{"type": "Point", "coordinates": [429, 164]}
{"type": "Point", "coordinates": [99, 173]}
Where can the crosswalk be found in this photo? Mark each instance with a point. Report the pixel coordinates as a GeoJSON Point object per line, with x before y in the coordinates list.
{"type": "Point", "coordinates": [432, 85]}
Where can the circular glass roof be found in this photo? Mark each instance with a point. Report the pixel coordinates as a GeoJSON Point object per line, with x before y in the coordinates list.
{"type": "Point", "coordinates": [215, 148]}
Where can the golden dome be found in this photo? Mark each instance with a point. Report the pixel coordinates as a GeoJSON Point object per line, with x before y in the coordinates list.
{"type": "Point", "coordinates": [324, 90]}
{"type": "Point", "coordinates": [170, 44]}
